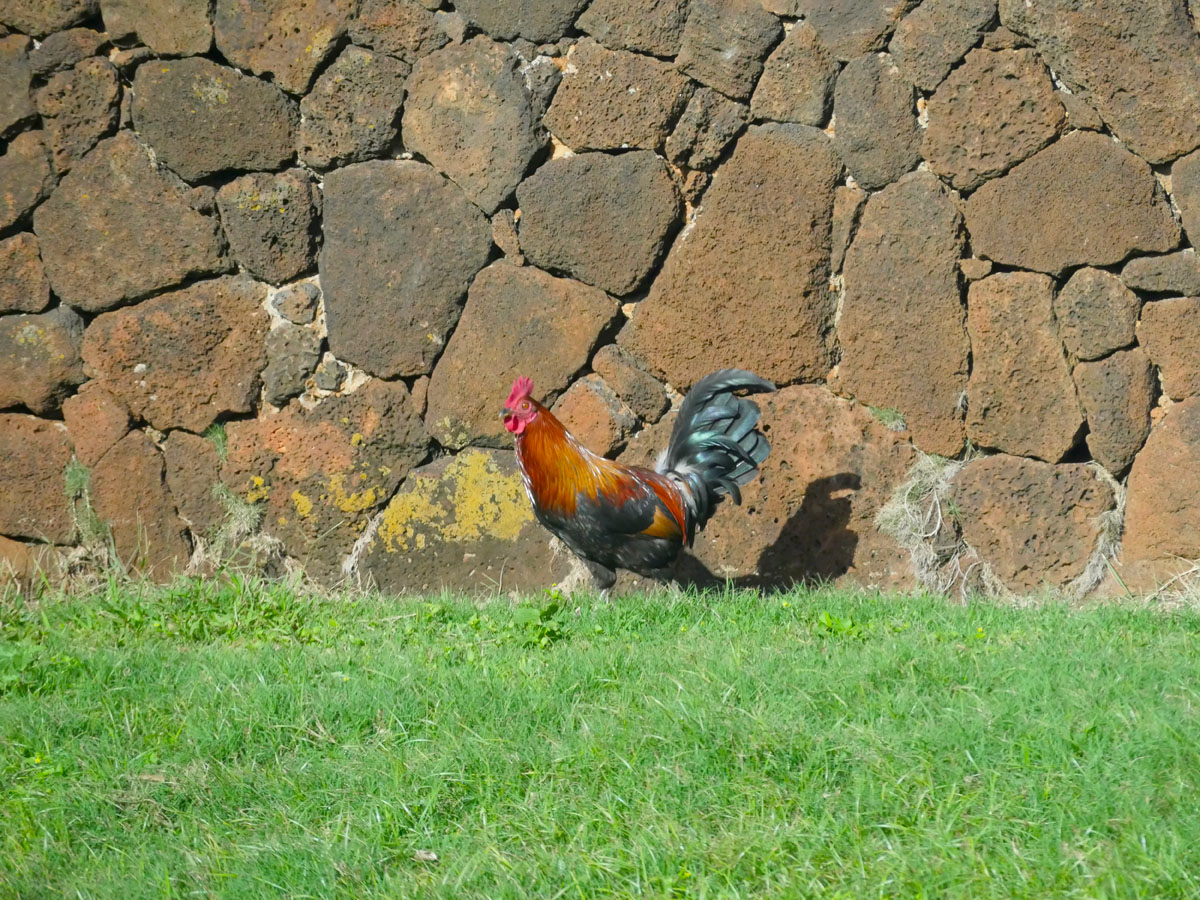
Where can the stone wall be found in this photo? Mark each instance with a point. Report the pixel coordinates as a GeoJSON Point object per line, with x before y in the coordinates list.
{"type": "Point", "coordinates": [267, 271]}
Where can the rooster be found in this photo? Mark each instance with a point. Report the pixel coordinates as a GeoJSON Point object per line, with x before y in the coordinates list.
{"type": "Point", "coordinates": [613, 516]}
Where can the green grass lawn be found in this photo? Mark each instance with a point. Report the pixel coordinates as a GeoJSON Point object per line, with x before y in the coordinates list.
{"type": "Point", "coordinates": [252, 741]}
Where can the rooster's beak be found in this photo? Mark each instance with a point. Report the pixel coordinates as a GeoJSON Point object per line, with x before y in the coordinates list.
{"type": "Point", "coordinates": [505, 413]}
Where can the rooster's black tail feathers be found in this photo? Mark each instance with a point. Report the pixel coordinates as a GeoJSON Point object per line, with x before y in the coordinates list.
{"type": "Point", "coordinates": [715, 446]}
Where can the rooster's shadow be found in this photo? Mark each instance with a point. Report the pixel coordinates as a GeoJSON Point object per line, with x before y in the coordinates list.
{"type": "Point", "coordinates": [816, 544]}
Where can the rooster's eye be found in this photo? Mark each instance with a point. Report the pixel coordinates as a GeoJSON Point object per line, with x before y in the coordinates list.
{"type": "Point", "coordinates": [524, 405]}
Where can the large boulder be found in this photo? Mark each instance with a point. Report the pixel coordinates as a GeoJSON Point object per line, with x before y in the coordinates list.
{"type": "Point", "coordinates": [725, 42]}
{"type": "Point", "coordinates": [78, 107]}
{"type": "Point", "coordinates": [902, 302]}
{"type": "Point", "coordinates": [193, 467]}
{"type": "Point", "coordinates": [184, 358]}
{"type": "Point", "coordinates": [41, 17]}
{"type": "Point", "coordinates": [851, 28]}
{"type": "Point", "coordinates": [352, 113]}
{"type": "Point", "coordinates": [1162, 518]}
{"type": "Point", "coordinates": [1116, 394]}
{"type": "Point", "coordinates": [877, 134]}
{"type": "Point", "coordinates": [1170, 332]}
{"type": "Point", "coordinates": [401, 28]}
{"type": "Point", "coordinates": [1175, 273]}
{"type": "Point", "coordinates": [39, 359]}
{"type": "Point", "coordinates": [610, 99]}
{"type": "Point", "coordinates": [16, 102]}
{"type": "Point", "coordinates": [602, 219]}
{"type": "Point", "coordinates": [471, 114]}
{"type": "Point", "coordinates": [168, 27]}
{"type": "Point", "coordinates": [270, 219]}
{"type": "Point", "coordinates": [460, 523]}
{"type": "Point", "coordinates": [1096, 314]}
{"type": "Point", "coordinates": [129, 495]}
{"type": "Point", "coordinates": [594, 415]}
{"type": "Point", "coordinates": [709, 122]}
{"type": "Point", "coordinates": [992, 112]}
{"type": "Point", "coordinates": [749, 285]}
{"type": "Point", "coordinates": [23, 284]}
{"type": "Point", "coordinates": [517, 321]}
{"type": "Point", "coordinates": [401, 245]}
{"type": "Point", "coordinates": [25, 176]}
{"type": "Point", "coordinates": [1033, 523]}
{"type": "Point", "coordinates": [540, 21]}
{"type": "Point", "coordinates": [1139, 63]}
{"type": "Point", "coordinates": [648, 26]}
{"type": "Point", "coordinates": [318, 474]}
{"type": "Point", "coordinates": [1020, 398]}
{"type": "Point", "coordinates": [288, 39]}
{"type": "Point", "coordinates": [810, 514]}
{"type": "Point", "coordinates": [935, 36]}
{"type": "Point", "coordinates": [638, 390]}
{"type": "Point", "coordinates": [246, 123]}
{"type": "Point", "coordinates": [1095, 203]}
{"type": "Point", "coordinates": [797, 80]}
{"type": "Point", "coordinates": [64, 49]}
{"type": "Point", "coordinates": [118, 228]}
{"type": "Point", "coordinates": [34, 503]}
{"type": "Point", "coordinates": [96, 420]}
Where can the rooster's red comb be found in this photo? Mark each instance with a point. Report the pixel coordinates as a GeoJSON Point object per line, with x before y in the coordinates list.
{"type": "Point", "coordinates": [522, 388]}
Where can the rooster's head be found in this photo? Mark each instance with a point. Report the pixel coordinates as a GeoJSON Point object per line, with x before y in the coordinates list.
{"type": "Point", "coordinates": [520, 408]}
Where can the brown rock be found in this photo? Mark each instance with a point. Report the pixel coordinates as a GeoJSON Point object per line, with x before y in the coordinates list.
{"type": "Point", "coordinates": [117, 228]}
{"type": "Point", "coordinates": [504, 236]}
{"type": "Point", "coordinates": [248, 123]}
{"type": "Point", "coordinates": [850, 28]}
{"type": "Point", "coordinates": [709, 122]}
{"type": "Point", "coordinates": [1000, 38]}
{"type": "Point", "coordinates": [1176, 273]}
{"type": "Point", "coordinates": [1185, 185]}
{"type": "Point", "coordinates": [25, 567]}
{"type": "Point", "coordinates": [810, 514]}
{"type": "Point", "coordinates": [193, 469]}
{"type": "Point", "coordinates": [64, 49]}
{"type": "Point", "coordinates": [292, 354]}
{"type": "Point", "coordinates": [797, 80]}
{"type": "Point", "coordinates": [129, 495]}
{"type": "Point", "coordinates": [725, 42]}
{"type": "Point", "coordinates": [1095, 203]}
{"type": "Point", "coordinates": [401, 245]}
{"type": "Point", "coordinates": [1020, 398]}
{"type": "Point", "coordinates": [16, 103]}
{"type": "Point", "coordinates": [1116, 394]}
{"type": "Point", "coordinates": [1162, 520]}
{"type": "Point", "coordinates": [1080, 112]}
{"type": "Point", "coordinates": [1170, 332]}
{"type": "Point", "coordinates": [1096, 314]}
{"type": "Point", "coordinates": [877, 134]}
{"type": "Point", "coordinates": [463, 523]}
{"type": "Point", "coordinates": [1035, 524]}
{"type": "Point", "coordinates": [847, 205]}
{"type": "Point", "coordinates": [270, 221]}
{"type": "Point", "coordinates": [540, 21]}
{"type": "Point", "coordinates": [25, 176]}
{"type": "Point", "coordinates": [902, 303]}
{"type": "Point", "coordinates": [96, 420]}
{"type": "Point", "coordinates": [992, 112]}
{"type": "Point", "coordinates": [610, 99]}
{"type": "Point", "coordinates": [560, 322]}
{"type": "Point", "coordinates": [975, 269]}
{"type": "Point", "coordinates": [183, 358]}
{"type": "Point", "coordinates": [750, 284]}
{"type": "Point", "coordinates": [298, 303]}
{"type": "Point", "coordinates": [648, 26]}
{"type": "Point", "coordinates": [78, 107]}
{"type": "Point", "coordinates": [401, 28]}
{"type": "Point", "coordinates": [168, 27]}
{"type": "Point", "coordinates": [40, 17]}
{"type": "Point", "coordinates": [644, 396]}
{"type": "Point", "coordinates": [931, 39]}
{"type": "Point", "coordinates": [595, 415]}
{"type": "Point", "coordinates": [602, 219]}
{"type": "Point", "coordinates": [352, 113]}
{"type": "Point", "coordinates": [471, 114]}
{"type": "Point", "coordinates": [420, 393]}
{"type": "Point", "coordinates": [320, 474]}
{"type": "Point", "coordinates": [287, 38]}
{"type": "Point", "coordinates": [39, 359]}
{"type": "Point", "coordinates": [33, 503]}
{"type": "Point", "coordinates": [23, 284]}
{"type": "Point", "coordinates": [1140, 63]}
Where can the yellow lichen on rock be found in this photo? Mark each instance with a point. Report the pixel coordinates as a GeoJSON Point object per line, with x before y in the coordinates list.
{"type": "Point", "coordinates": [350, 501]}
{"type": "Point", "coordinates": [303, 504]}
